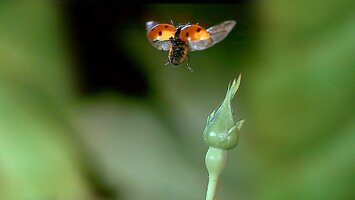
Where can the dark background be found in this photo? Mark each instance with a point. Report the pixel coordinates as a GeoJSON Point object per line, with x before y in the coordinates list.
{"type": "Point", "coordinates": [94, 28]}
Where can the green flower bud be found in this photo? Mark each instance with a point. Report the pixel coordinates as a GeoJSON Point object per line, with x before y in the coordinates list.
{"type": "Point", "coordinates": [221, 130]}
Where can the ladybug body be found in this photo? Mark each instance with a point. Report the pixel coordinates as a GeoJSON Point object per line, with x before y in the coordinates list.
{"type": "Point", "coordinates": [178, 49]}
{"type": "Point", "coordinates": [180, 40]}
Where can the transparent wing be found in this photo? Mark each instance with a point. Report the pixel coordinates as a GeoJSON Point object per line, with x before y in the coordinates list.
{"type": "Point", "coordinates": [220, 31]}
{"type": "Point", "coordinates": [198, 45]}
{"type": "Point", "coordinates": [161, 44]}
{"type": "Point", "coordinates": [149, 25]}
{"type": "Point", "coordinates": [217, 33]}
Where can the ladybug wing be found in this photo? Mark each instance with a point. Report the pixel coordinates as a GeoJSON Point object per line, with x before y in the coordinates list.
{"type": "Point", "coordinates": [159, 34]}
{"type": "Point", "coordinates": [150, 24]}
{"type": "Point", "coordinates": [216, 34]}
{"type": "Point", "coordinates": [161, 45]}
{"type": "Point", "coordinates": [198, 45]}
{"type": "Point", "coordinates": [220, 31]}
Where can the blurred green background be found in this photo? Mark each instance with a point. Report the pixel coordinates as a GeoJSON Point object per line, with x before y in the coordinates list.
{"type": "Point", "coordinates": [80, 120]}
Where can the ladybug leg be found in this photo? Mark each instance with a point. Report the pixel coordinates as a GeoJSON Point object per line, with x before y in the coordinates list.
{"type": "Point", "coordinates": [188, 63]}
{"type": "Point", "coordinates": [167, 62]}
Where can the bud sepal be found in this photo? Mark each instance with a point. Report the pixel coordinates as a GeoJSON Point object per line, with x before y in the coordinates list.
{"type": "Point", "coordinates": [221, 130]}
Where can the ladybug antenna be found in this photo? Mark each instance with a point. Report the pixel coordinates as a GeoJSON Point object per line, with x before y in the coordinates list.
{"type": "Point", "coordinates": [172, 22]}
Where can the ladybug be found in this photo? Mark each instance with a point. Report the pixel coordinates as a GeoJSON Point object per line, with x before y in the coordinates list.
{"type": "Point", "coordinates": [180, 40]}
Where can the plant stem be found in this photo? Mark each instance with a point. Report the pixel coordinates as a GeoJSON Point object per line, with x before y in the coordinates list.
{"type": "Point", "coordinates": [211, 188]}
{"type": "Point", "coordinates": [216, 160]}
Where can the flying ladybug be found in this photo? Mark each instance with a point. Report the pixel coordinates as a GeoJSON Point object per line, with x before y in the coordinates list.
{"type": "Point", "coordinates": [182, 39]}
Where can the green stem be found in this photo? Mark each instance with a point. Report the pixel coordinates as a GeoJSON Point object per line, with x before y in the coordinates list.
{"type": "Point", "coordinates": [211, 188]}
{"type": "Point", "coordinates": [216, 160]}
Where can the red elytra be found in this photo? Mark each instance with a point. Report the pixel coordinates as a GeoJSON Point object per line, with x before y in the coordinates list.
{"type": "Point", "coordinates": [188, 33]}
{"type": "Point", "coordinates": [161, 32]}
{"type": "Point", "coordinates": [193, 32]}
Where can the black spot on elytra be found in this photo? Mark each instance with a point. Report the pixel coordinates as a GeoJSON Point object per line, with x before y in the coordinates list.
{"type": "Point", "coordinates": [166, 26]}
{"type": "Point", "coordinates": [187, 34]}
{"type": "Point", "coordinates": [198, 29]}
{"type": "Point", "coordinates": [160, 33]}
